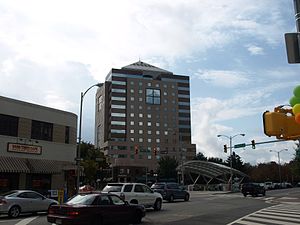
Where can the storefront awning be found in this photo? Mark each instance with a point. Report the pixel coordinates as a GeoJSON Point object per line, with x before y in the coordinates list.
{"type": "Point", "coordinates": [13, 165]}
{"type": "Point", "coordinates": [27, 165]}
{"type": "Point", "coordinates": [44, 166]}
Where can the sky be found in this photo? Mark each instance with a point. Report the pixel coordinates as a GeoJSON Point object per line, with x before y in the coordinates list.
{"type": "Point", "coordinates": [233, 51]}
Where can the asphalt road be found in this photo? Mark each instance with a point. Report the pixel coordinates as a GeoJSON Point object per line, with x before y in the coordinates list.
{"type": "Point", "coordinates": [203, 208]}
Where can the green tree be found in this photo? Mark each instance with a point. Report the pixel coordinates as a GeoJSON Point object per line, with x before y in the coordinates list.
{"type": "Point", "coordinates": [200, 156]}
{"type": "Point", "coordinates": [237, 163]}
{"type": "Point", "coordinates": [295, 163]}
{"type": "Point", "coordinates": [216, 160]}
{"type": "Point", "coordinates": [93, 162]}
{"type": "Point", "coordinates": [167, 168]}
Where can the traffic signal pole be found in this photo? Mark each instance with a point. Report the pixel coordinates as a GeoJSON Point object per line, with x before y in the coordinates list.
{"type": "Point", "coordinates": [257, 143]}
{"type": "Point", "coordinates": [297, 14]}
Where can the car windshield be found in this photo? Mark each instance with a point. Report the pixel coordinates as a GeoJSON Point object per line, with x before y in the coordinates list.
{"type": "Point", "coordinates": [158, 186]}
{"type": "Point", "coordinates": [113, 188]}
{"type": "Point", "coordinates": [81, 199]}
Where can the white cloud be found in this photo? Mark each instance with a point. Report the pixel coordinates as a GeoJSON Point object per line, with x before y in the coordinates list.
{"type": "Point", "coordinates": [223, 78]}
{"type": "Point", "coordinates": [114, 33]}
{"type": "Point", "coordinates": [255, 50]}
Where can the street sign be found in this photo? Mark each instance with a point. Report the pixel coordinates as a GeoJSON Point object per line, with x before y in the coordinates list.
{"type": "Point", "coordinates": [240, 145]}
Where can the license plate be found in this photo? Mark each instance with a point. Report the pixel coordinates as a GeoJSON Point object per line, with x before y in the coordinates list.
{"type": "Point", "coordinates": [58, 221]}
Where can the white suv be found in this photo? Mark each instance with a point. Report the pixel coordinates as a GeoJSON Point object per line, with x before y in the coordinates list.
{"type": "Point", "coordinates": [136, 193]}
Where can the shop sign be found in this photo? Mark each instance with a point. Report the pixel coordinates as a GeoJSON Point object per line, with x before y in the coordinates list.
{"type": "Point", "coordinates": [23, 148]}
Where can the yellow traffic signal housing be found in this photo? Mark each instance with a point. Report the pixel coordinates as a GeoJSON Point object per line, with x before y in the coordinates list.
{"type": "Point", "coordinates": [281, 125]}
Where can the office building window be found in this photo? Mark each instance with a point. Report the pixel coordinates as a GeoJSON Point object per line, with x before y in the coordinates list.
{"type": "Point", "coordinates": [118, 90]}
{"type": "Point", "coordinates": [117, 98]}
{"type": "Point", "coordinates": [140, 123]}
{"type": "Point", "coordinates": [131, 123]}
{"type": "Point", "coordinates": [153, 96]}
{"type": "Point", "coordinates": [140, 131]}
{"type": "Point", "coordinates": [41, 130]}
{"type": "Point", "coordinates": [9, 125]}
{"type": "Point", "coordinates": [121, 123]}
{"type": "Point", "coordinates": [118, 114]}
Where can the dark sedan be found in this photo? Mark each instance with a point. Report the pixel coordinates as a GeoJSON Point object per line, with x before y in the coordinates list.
{"type": "Point", "coordinates": [96, 209]}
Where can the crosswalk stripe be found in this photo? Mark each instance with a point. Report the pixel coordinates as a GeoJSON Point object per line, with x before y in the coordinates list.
{"type": "Point", "coordinates": [258, 219]}
{"type": "Point", "coordinates": [284, 211]}
{"type": "Point", "coordinates": [279, 213]}
{"type": "Point", "coordinates": [283, 214]}
{"type": "Point", "coordinates": [276, 217]}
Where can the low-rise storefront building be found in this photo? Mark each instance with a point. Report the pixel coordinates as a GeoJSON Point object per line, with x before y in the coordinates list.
{"type": "Point", "coordinates": [37, 147]}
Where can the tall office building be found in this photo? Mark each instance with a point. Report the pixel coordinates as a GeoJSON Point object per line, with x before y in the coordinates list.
{"type": "Point", "coordinates": [143, 114]}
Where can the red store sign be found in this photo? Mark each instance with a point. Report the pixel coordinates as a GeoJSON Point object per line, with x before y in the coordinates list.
{"type": "Point", "coordinates": [22, 148]}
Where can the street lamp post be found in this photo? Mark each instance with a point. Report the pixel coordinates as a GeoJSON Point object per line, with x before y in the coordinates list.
{"type": "Point", "coordinates": [230, 147]}
{"type": "Point", "coordinates": [78, 155]}
{"type": "Point", "coordinates": [279, 166]}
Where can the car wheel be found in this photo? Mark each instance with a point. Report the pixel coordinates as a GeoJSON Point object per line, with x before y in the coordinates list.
{"type": "Point", "coordinates": [171, 198]}
{"type": "Point", "coordinates": [245, 194]}
{"type": "Point", "coordinates": [157, 204]}
{"type": "Point", "coordinates": [138, 218]}
{"type": "Point", "coordinates": [14, 211]}
{"type": "Point", "coordinates": [186, 197]}
{"type": "Point", "coordinates": [264, 193]}
{"type": "Point", "coordinates": [134, 202]}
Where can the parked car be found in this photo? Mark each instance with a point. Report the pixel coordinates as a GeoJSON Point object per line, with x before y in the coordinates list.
{"type": "Point", "coordinates": [171, 191]}
{"type": "Point", "coordinates": [136, 193]}
{"type": "Point", "coordinates": [269, 185]}
{"type": "Point", "coordinates": [16, 202]}
{"type": "Point", "coordinates": [253, 189]}
{"type": "Point", "coordinates": [96, 208]}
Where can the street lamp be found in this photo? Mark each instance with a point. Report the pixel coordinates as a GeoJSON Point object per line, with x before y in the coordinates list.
{"type": "Point", "coordinates": [78, 155]}
{"type": "Point", "coordinates": [230, 147]}
{"type": "Point", "coordinates": [279, 166]}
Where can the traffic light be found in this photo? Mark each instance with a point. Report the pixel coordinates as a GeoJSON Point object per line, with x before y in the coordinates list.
{"type": "Point", "coordinates": [253, 144]}
{"type": "Point", "coordinates": [282, 124]}
{"type": "Point", "coordinates": [292, 47]}
{"type": "Point", "coordinates": [155, 151]}
{"type": "Point", "coordinates": [225, 148]}
{"type": "Point", "coordinates": [136, 149]}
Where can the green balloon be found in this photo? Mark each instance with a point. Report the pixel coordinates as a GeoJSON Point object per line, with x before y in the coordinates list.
{"type": "Point", "coordinates": [294, 100]}
{"type": "Point", "coordinates": [297, 91]}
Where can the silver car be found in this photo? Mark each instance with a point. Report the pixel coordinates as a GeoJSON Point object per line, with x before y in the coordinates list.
{"type": "Point", "coordinates": [23, 201]}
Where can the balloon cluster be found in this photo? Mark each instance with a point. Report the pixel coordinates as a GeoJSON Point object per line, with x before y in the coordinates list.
{"type": "Point", "coordinates": [295, 103]}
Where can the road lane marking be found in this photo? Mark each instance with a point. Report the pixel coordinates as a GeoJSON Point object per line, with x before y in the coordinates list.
{"type": "Point", "coordinates": [26, 221]}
